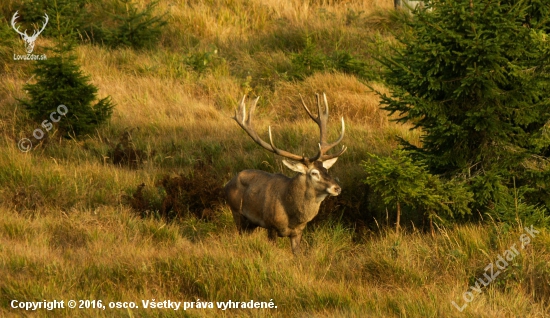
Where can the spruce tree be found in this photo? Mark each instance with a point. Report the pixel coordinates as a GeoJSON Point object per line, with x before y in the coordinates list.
{"type": "Point", "coordinates": [402, 183]}
{"type": "Point", "coordinates": [60, 81]}
{"type": "Point", "coordinates": [134, 28]}
{"type": "Point", "coordinates": [473, 76]}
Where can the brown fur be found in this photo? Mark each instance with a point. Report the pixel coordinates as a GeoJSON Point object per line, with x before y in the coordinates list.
{"type": "Point", "coordinates": [277, 203]}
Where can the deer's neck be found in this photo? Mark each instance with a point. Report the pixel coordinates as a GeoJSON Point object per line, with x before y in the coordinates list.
{"type": "Point", "coordinates": [304, 198]}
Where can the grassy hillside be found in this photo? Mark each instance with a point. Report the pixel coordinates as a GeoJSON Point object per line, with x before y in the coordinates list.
{"type": "Point", "coordinates": [68, 231]}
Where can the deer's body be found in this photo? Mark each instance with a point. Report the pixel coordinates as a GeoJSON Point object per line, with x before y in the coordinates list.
{"type": "Point", "coordinates": [285, 206]}
{"type": "Point", "coordinates": [280, 204]}
{"type": "Point", "coordinates": [279, 211]}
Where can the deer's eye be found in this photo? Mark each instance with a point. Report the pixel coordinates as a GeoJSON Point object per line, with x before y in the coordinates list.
{"type": "Point", "coordinates": [315, 173]}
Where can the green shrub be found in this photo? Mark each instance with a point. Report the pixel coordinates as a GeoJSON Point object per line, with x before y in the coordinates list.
{"type": "Point", "coordinates": [202, 61]}
{"type": "Point", "coordinates": [7, 41]}
{"type": "Point", "coordinates": [131, 27]}
{"type": "Point", "coordinates": [62, 96]}
{"type": "Point", "coordinates": [347, 63]}
{"type": "Point", "coordinates": [401, 183]}
{"type": "Point", "coordinates": [75, 15]}
{"type": "Point", "coordinates": [59, 81]}
{"type": "Point", "coordinates": [311, 60]}
{"type": "Point", "coordinates": [514, 211]}
{"type": "Point", "coordinates": [474, 78]}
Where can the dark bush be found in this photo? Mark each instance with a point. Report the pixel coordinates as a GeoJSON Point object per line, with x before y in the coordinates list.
{"type": "Point", "coordinates": [402, 183]}
{"type": "Point", "coordinates": [126, 154]}
{"type": "Point", "coordinates": [197, 194]}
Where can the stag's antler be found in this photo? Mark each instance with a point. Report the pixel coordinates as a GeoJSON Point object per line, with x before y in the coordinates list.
{"type": "Point", "coordinates": [246, 124]}
{"type": "Point", "coordinates": [321, 120]}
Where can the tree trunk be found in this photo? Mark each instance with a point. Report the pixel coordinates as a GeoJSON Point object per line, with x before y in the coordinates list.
{"type": "Point", "coordinates": [397, 4]}
{"type": "Point", "coordinates": [432, 228]}
{"type": "Point", "coordinates": [397, 226]}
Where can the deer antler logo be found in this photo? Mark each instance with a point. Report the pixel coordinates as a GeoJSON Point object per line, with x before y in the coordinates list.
{"type": "Point", "coordinates": [29, 40]}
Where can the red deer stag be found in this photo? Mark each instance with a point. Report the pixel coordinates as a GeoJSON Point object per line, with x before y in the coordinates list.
{"type": "Point", "coordinates": [275, 202]}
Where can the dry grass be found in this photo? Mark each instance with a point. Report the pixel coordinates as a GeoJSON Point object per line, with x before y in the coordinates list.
{"type": "Point", "coordinates": [66, 231]}
{"type": "Point", "coordinates": [109, 254]}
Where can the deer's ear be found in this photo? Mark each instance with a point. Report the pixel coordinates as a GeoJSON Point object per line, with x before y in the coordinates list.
{"type": "Point", "coordinates": [328, 163]}
{"type": "Point", "coordinates": [296, 166]}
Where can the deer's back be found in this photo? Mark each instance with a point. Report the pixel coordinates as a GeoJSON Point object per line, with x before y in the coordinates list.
{"type": "Point", "coordinates": [259, 195]}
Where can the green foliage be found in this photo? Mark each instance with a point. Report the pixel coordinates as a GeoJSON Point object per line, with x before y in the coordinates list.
{"type": "Point", "coordinates": [347, 63]}
{"type": "Point", "coordinates": [7, 40]}
{"type": "Point", "coordinates": [115, 23]}
{"type": "Point", "coordinates": [513, 210]}
{"type": "Point", "coordinates": [401, 181]}
{"type": "Point", "coordinates": [60, 81]}
{"type": "Point", "coordinates": [202, 61]}
{"type": "Point", "coordinates": [73, 12]}
{"type": "Point", "coordinates": [311, 60]}
{"type": "Point", "coordinates": [132, 27]}
{"type": "Point", "coordinates": [537, 14]}
{"type": "Point", "coordinates": [475, 79]}
{"type": "Point", "coordinates": [353, 16]}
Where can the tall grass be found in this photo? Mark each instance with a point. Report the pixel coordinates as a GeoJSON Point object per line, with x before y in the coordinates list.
{"type": "Point", "coordinates": [107, 253]}
{"type": "Point", "coordinates": [67, 232]}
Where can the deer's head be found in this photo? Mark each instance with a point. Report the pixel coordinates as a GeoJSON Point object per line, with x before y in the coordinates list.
{"type": "Point", "coordinates": [314, 168]}
{"type": "Point", "coordinates": [317, 176]}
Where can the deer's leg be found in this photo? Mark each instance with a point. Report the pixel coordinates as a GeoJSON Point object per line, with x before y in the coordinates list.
{"type": "Point", "coordinates": [245, 225]}
{"type": "Point", "coordinates": [272, 234]}
{"type": "Point", "coordinates": [295, 243]}
{"type": "Point", "coordinates": [237, 217]}
{"type": "Point", "coordinates": [242, 223]}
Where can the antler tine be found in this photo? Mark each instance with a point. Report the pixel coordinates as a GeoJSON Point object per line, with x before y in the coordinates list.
{"type": "Point", "coordinates": [284, 153]}
{"type": "Point", "coordinates": [334, 155]}
{"type": "Point", "coordinates": [323, 117]}
{"type": "Point", "coordinates": [15, 16]}
{"type": "Point", "coordinates": [307, 109]}
{"type": "Point", "coordinates": [325, 114]}
{"type": "Point", "coordinates": [321, 121]}
{"type": "Point", "coordinates": [246, 124]}
{"type": "Point", "coordinates": [327, 147]}
{"type": "Point", "coordinates": [252, 110]}
{"type": "Point", "coordinates": [242, 110]}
